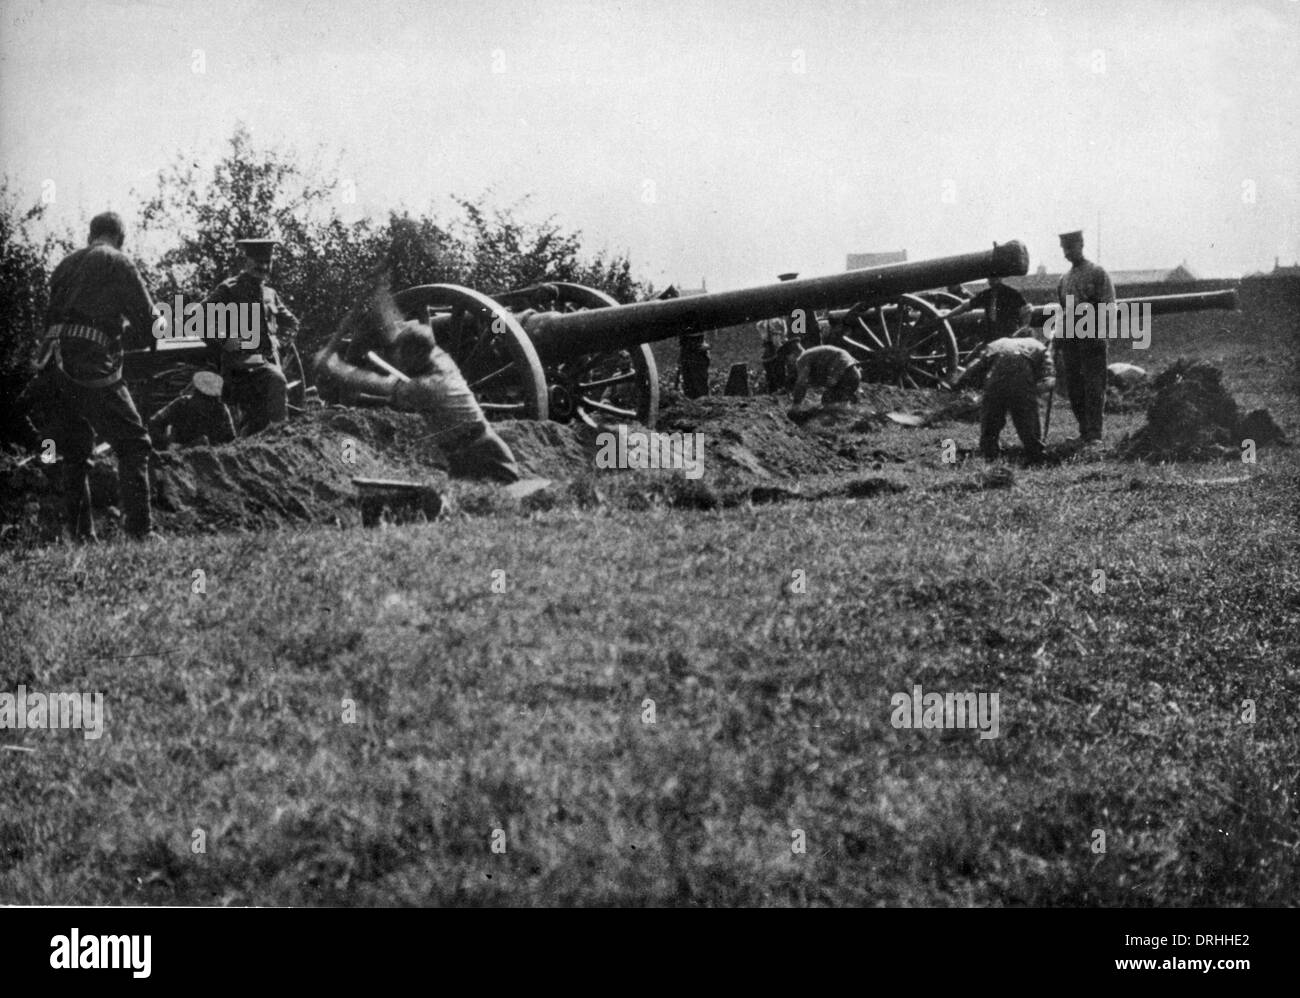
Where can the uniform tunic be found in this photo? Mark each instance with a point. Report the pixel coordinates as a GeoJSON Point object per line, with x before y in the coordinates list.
{"type": "Point", "coordinates": [253, 378]}
{"type": "Point", "coordinates": [192, 416]}
{"type": "Point", "coordinates": [92, 292]}
{"type": "Point", "coordinates": [1083, 361]}
{"type": "Point", "coordinates": [1001, 305]}
{"type": "Point", "coordinates": [1016, 366]}
{"type": "Point", "coordinates": [830, 368]}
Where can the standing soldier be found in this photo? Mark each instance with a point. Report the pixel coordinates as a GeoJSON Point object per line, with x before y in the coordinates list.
{"type": "Point", "coordinates": [91, 292]}
{"type": "Point", "coordinates": [253, 378]}
{"type": "Point", "coordinates": [692, 354]}
{"type": "Point", "coordinates": [777, 338]}
{"type": "Point", "coordinates": [693, 363]}
{"type": "Point", "coordinates": [1083, 360]}
{"type": "Point", "coordinates": [773, 333]}
{"type": "Point", "coordinates": [1001, 304]}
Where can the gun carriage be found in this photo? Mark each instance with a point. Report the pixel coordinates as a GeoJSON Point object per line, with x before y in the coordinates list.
{"type": "Point", "coordinates": [564, 351]}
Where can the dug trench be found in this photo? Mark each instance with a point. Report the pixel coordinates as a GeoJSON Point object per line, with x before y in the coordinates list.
{"type": "Point", "coordinates": [301, 472]}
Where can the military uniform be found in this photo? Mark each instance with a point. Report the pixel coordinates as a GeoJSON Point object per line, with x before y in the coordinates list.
{"type": "Point", "coordinates": [1001, 305]}
{"type": "Point", "coordinates": [693, 362]}
{"type": "Point", "coordinates": [1016, 366]}
{"type": "Point", "coordinates": [831, 369]}
{"type": "Point", "coordinates": [436, 389]}
{"type": "Point", "coordinates": [91, 292]}
{"type": "Point", "coordinates": [1082, 362]}
{"type": "Point", "coordinates": [198, 416]}
{"type": "Point", "coordinates": [774, 336]}
{"type": "Point", "coordinates": [254, 379]}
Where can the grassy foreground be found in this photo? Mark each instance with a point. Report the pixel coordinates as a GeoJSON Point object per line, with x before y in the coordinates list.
{"type": "Point", "coordinates": [524, 710]}
{"type": "Point", "coordinates": [358, 718]}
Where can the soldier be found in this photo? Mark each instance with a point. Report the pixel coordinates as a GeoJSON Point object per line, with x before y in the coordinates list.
{"type": "Point", "coordinates": [253, 378]}
{"type": "Point", "coordinates": [830, 369]}
{"type": "Point", "coordinates": [777, 343]}
{"type": "Point", "coordinates": [692, 354]}
{"type": "Point", "coordinates": [1083, 361]}
{"type": "Point", "coordinates": [693, 364]}
{"type": "Point", "coordinates": [91, 292]}
{"type": "Point", "coordinates": [434, 386]}
{"type": "Point", "coordinates": [774, 336]}
{"type": "Point", "coordinates": [1018, 368]}
{"type": "Point", "coordinates": [197, 416]}
{"type": "Point", "coordinates": [1001, 304]}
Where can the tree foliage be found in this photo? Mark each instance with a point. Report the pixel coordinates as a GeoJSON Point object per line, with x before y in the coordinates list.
{"type": "Point", "coordinates": [324, 263]}
{"type": "Point", "coordinates": [24, 265]}
{"type": "Point", "coordinates": [189, 225]}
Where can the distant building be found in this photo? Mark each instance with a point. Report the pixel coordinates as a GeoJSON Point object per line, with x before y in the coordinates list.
{"type": "Point", "coordinates": [1041, 280]}
{"type": "Point", "coordinates": [857, 261]}
{"type": "Point", "coordinates": [1281, 271]}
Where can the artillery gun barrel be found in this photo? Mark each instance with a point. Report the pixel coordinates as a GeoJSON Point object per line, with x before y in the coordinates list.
{"type": "Point", "coordinates": [1160, 304]}
{"type": "Point", "coordinates": [561, 336]}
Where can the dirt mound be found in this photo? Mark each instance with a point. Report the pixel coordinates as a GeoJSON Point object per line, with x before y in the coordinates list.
{"type": "Point", "coordinates": [298, 472]}
{"type": "Point", "coordinates": [301, 472]}
{"type": "Point", "coordinates": [755, 438]}
{"type": "Point", "coordinates": [1194, 418]}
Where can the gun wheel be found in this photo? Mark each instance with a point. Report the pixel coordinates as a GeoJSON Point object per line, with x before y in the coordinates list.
{"type": "Point", "coordinates": [602, 388]}
{"type": "Point", "coordinates": [903, 341]}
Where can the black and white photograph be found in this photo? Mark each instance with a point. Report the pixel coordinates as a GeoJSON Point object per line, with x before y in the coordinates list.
{"type": "Point", "coordinates": [719, 454]}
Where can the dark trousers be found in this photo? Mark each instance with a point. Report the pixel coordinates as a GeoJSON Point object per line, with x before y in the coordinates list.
{"type": "Point", "coordinates": [695, 373]}
{"type": "Point", "coordinates": [1084, 369]}
{"type": "Point", "coordinates": [111, 413]}
{"type": "Point", "coordinates": [1015, 395]}
{"type": "Point", "coordinates": [262, 393]}
{"type": "Point", "coordinates": [775, 368]}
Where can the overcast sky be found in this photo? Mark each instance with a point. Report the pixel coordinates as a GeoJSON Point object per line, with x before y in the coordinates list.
{"type": "Point", "coordinates": [717, 139]}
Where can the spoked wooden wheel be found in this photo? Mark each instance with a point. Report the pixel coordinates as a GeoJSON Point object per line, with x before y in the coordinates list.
{"type": "Point", "coordinates": [966, 333]}
{"type": "Point", "coordinates": [903, 341]}
{"type": "Point", "coordinates": [602, 388]}
{"type": "Point", "coordinates": [489, 346]}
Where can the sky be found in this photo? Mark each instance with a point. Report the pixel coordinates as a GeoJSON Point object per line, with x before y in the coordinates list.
{"type": "Point", "coordinates": [715, 140]}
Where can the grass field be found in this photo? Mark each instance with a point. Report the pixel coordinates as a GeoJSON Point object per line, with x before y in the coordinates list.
{"type": "Point", "coordinates": [357, 717]}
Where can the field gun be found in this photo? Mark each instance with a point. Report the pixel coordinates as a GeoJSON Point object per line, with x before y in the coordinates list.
{"type": "Point", "coordinates": [866, 330]}
{"type": "Point", "coordinates": [564, 351]}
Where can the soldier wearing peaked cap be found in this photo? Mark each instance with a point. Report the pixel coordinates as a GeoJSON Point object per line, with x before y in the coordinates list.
{"type": "Point", "coordinates": [1082, 362]}
{"type": "Point", "coordinates": [198, 416]}
{"type": "Point", "coordinates": [253, 378]}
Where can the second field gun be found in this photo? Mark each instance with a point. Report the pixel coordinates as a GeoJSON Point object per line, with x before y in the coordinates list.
{"type": "Point", "coordinates": [565, 351]}
{"type": "Point", "coordinates": [867, 330]}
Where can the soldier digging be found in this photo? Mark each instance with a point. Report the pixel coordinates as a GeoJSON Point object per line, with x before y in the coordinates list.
{"type": "Point", "coordinates": [1018, 367]}
{"type": "Point", "coordinates": [198, 416]}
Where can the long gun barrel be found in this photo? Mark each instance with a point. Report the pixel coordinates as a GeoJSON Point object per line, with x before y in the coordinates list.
{"type": "Point", "coordinates": [1162, 304]}
{"type": "Point", "coordinates": [560, 336]}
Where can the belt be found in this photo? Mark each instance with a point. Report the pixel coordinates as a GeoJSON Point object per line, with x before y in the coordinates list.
{"type": "Point", "coordinates": [76, 331]}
